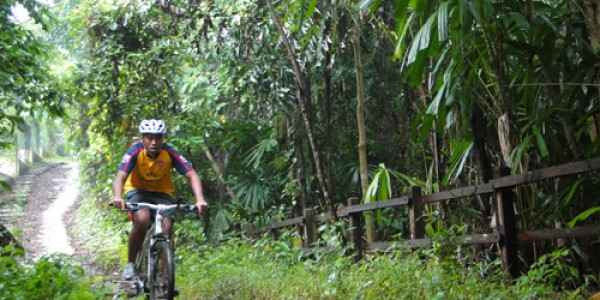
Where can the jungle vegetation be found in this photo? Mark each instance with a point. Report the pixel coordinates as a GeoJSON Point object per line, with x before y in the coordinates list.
{"type": "Point", "coordinates": [290, 104]}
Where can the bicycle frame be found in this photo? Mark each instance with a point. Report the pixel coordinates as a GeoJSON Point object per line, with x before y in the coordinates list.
{"type": "Point", "coordinates": [156, 235]}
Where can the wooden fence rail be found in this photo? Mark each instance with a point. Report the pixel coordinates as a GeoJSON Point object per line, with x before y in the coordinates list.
{"type": "Point", "coordinates": [505, 234]}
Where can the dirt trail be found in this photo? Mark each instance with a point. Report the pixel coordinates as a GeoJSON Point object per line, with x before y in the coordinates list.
{"type": "Point", "coordinates": [49, 217]}
{"type": "Point", "coordinates": [51, 194]}
{"type": "Point", "coordinates": [54, 238]}
{"type": "Point", "coordinates": [42, 208]}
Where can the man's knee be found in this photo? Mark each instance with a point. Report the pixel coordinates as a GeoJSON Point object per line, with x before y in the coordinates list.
{"type": "Point", "coordinates": [141, 218]}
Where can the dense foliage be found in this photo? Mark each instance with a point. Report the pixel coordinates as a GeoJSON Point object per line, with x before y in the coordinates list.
{"type": "Point", "coordinates": [27, 86]}
{"type": "Point", "coordinates": [274, 102]}
{"type": "Point", "coordinates": [263, 98]}
{"type": "Point", "coordinates": [49, 278]}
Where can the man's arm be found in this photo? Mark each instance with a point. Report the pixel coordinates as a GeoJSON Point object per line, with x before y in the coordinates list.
{"type": "Point", "coordinates": [196, 186]}
{"type": "Point", "coordinates": [118, 189]}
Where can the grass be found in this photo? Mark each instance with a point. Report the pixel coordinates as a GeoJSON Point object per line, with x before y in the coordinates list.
{"type": "Point", "coordinates": [267, 269]}
{"type": "Point", "coordinates": [270, 270]}
{"type": "Point", "coordinates": [103, 233]}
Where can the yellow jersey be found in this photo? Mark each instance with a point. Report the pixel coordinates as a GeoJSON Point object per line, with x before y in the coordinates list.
{"type": "Point", "coordinates": [152, 174]}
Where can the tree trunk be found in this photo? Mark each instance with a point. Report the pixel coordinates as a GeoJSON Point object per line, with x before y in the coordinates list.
{"type": "Point", "coordinates": [27, 144]}
{"type": "Point", "coordinates": [37, 142]}
{"type": "Point", "coordinates": [485, 167]}
{"type": "Point", "coordinates": [435, 152]}
{"type": "Point", "coordinates": [219, 171]}
{"type": "Point", "coordinates": [304, 97]}
{"type": "Point", "coordinates": [18, 165]}
{"type": "Point", "coordinates": [360, 125]}
{"type": "Point", "coordinates": [591, 13]}
{"type": "Point", "coordinates": [495, 46]}
{"type": "Point", "coordinates": [504, 138]}
{"type": "Point", "coordinates": [300, 165]}
{"type": "Point", "coordinates": [84, 124]}
{"type": "Point", "coordinates": [329, 139]}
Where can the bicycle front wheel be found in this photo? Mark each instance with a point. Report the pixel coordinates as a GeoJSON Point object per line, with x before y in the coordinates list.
{"type": "Point", "coordinates": [162, 278]}
{"type": "Point", "coordinates": [141, 261]}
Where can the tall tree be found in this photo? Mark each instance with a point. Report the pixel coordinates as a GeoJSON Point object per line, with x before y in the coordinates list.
{"type": "Point", "coordinates": [304, 98]}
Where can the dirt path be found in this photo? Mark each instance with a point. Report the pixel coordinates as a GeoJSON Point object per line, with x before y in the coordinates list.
{"type": "Point", "coordinates": [42, 209]}
{"type": "Point", "coordinates": [51, 194]}
{"type": "Point", "coordinates": [49, 217]}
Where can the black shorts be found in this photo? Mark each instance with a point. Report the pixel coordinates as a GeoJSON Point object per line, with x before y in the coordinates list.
{"type": "Point", "coordinates": [137, 196]}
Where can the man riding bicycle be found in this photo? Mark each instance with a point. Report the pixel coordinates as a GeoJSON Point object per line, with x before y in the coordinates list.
{"type": "Point", "coordinates": [144, 175]}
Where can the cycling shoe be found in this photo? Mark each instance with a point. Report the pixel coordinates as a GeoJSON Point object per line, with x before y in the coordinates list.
{"type": "Point", "coordinates": [128, 272]}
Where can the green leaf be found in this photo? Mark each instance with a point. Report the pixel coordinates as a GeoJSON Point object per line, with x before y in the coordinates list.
{"type": "Point", "coordinates": [400, 14]}
{"type": "Point", "coordinates": [460, 152]}
{"type": "Point", "coordinates": [435, 104]}
{"type": "Point", "coordinates": [433, 108]}
{"type": "Point", "coordinates": [540, 142]}
{"type": "Point", "coordinates": [402, 30]}
{"type": "Point", "coordinates": [517, 153]}
{"type": "Point", "coordinates": [571, 192]}
{"type": "Point", "coordinates": [412, 181]}
{"type": "Point", "coordinates": [311, 9]}
{"type": "Point", "coordinates": [421, 40]}
{"type": "Point", "coordinates": [380, 187]}
{"type": "Point", "coordinates": [4, 186]}
{"type": "Point", "coordinates": [584, 216]}
{"type": "Point", "coordinates": [369, 5]}
{"type": "Point", "coordinates": [443, 21]}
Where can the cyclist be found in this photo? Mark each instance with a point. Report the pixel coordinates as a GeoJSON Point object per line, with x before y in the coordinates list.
{"type": "Point", "coordinates": [144, 175]}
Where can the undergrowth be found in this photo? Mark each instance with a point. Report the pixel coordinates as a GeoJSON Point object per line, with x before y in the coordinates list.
{"type": "Point", "coordinates": [268, 269]}
{"type": "Point", "coordinates": [54, 277]}
{"type": "Point", "coordinates": [272, 270]}
{"type": "Point", "coordinates": [103, 232]}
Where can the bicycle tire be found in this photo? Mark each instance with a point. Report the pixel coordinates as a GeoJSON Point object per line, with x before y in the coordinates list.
{"type": "Point", "coordinates": [141, 261]}
{"type": "Point", "coordinates": [162, 276]}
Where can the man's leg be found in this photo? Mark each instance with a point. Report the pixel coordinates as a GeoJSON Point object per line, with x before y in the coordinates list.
{"type": "Point", "coordinates": [141, 221]}
{"type": "Point", "coordinates": [166, 225]}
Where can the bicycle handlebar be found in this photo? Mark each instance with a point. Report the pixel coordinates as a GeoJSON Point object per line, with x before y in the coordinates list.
{"type": "Point", "coordinates": [188, 208]}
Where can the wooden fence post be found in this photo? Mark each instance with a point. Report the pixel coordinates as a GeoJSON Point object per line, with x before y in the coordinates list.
{"type": "Point", "coordinates": [274, 233]}
{"type": "Point", "coordinates": [356, 229]}
{"type": "Point", "coordinates": [310, 227]}
{"type": "Point", "coordinates": [507, 229]}
{"type": "Point", "coordinates": [250, 230]}
{"type": "Point", "coordinates": [415, 215]}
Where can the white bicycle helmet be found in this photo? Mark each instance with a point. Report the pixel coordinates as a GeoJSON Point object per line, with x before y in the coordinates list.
{"type": "Point", "coordinates": [153, 127]}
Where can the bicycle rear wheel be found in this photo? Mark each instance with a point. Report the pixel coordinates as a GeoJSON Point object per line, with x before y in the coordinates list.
{"type": "Point", "coordinates": [162, 277]}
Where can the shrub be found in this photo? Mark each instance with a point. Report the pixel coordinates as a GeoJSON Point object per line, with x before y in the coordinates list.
{"type": "Point", "coordinates": [49, 278]}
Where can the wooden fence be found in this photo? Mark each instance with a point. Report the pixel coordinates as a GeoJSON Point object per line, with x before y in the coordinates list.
{"type": "Point", "coordinates": [505, 234]}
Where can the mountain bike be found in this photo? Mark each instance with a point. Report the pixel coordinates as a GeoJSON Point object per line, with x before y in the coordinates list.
{"type": "Point", "coordinates": [155, 264]}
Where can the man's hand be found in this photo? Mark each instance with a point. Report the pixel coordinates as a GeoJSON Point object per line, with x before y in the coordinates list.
{"type": "Point", "coordinates": [201, 205]}
{"type": "Point", "coordinates": [118, 202]}
{"type": "Point", "coordinates": [196, 186]}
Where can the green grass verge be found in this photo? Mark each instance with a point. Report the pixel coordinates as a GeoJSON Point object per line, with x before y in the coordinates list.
{"type": "Point", "coordinates": [267, 269]}
{"type": "Point", "coordinates": [272, 270]}
{"type": "Point", "coordinates": [103, 233]}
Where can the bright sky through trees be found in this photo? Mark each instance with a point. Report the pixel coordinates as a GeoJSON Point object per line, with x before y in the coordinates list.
{"type": "Point", "coordinates": [19, 14]}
